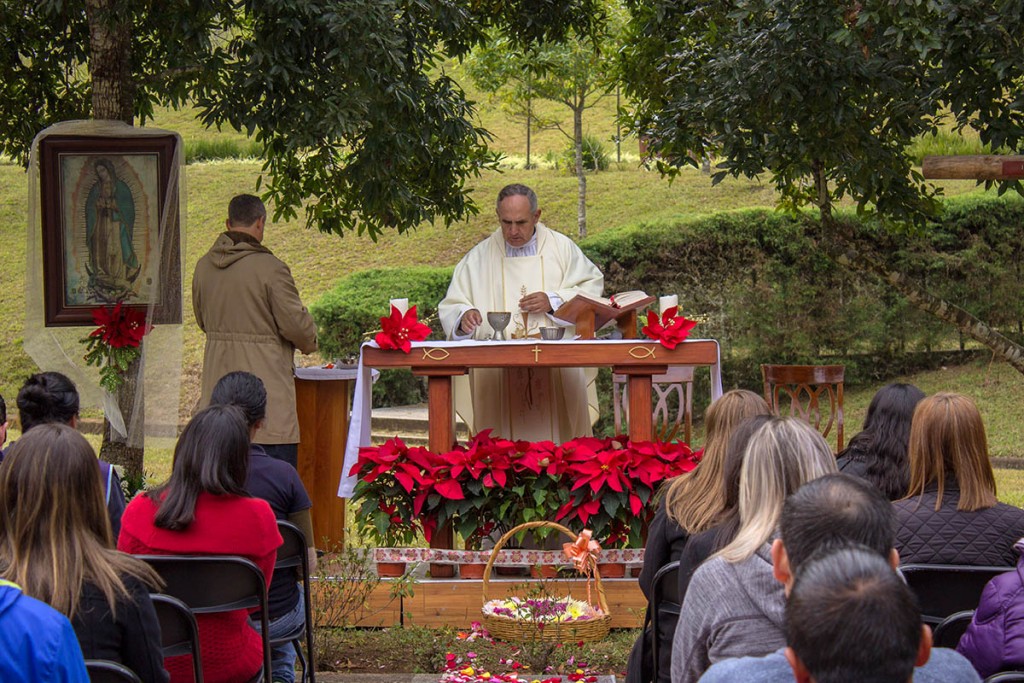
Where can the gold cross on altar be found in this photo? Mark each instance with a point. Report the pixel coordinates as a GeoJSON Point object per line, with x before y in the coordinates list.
{"type": "Point", "coordinates": [536, 353]}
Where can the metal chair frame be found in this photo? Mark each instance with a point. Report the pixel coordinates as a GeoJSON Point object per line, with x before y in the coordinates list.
{"type": "Point", "coordinates": [106, 671]}
{"type": "Point", "coordinates": [179, 632]}
{"type": "Point", "coordinates": [213, 584]}
{"type": "Point", "coordinates": [294, 553]}
{"type": "Point", "coordinates": [665, 603]}
{"type": "Point", "coordinates": [945, 589]}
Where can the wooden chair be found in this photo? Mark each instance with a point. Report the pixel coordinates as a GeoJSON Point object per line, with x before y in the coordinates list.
{"type": "Point", "coordinates": [679, 381]}
{"type": "Point", "coordinates": [814, 393]}
{"type": "Point", "coordinates": [665, 606]}
{"type": "Point", "coordinates": [211, 584]}
{"type": "Point", "coordinates": [105, 671]}
{"type": "Point", "coordinates": [179, 633]}
{"type": "Point", "coordinates": [945, 589]}
{"type": "Point", "coordinates": [950, 630]}
{"type": "Point", "coordinates": [294, 553]}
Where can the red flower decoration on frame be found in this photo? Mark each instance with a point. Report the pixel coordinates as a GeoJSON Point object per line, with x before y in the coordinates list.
{"type": "Point", "coordinates": [120, 327]}
{"type": "Point", "coordinates": [670, 329]}
{"type": "Point", "coordinates": [398, 331]}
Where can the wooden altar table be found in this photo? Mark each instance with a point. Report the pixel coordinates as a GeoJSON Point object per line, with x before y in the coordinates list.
{"type": "Point", "coordinates": [639, 360]}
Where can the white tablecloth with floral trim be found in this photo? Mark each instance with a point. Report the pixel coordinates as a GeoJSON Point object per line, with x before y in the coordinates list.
{"type": "Point", "coordinates": [509, 557]}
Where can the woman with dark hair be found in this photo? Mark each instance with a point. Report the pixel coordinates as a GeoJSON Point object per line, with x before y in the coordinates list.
{"type": "Point", "coordinates": [204, 509]}
{"type": "Point", "coordinates": [55, 543]}
{"type": "Point", "coordinates": [951, 514]}
{"type": "Point", "coordinates": [50, 397]}
{"type": "Point", "coordinates": [879, 453]}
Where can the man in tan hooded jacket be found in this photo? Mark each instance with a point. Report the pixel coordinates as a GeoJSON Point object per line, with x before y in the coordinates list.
{"type": "Point", "coordinates": [246, 302]}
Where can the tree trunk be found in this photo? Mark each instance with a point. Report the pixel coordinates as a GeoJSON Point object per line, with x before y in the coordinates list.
{"type": "Point", "coordinates": [118, 452]}
{"type": "Point", "coordinates": [841, 244]}
{"type": "Point", "coordinates": [113, 92]}
{"type": "Point", "coordinates": [581, 206]}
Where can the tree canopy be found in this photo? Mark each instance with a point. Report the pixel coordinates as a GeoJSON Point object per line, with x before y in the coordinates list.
{"type": "Point", "coordinates": [349, 99]}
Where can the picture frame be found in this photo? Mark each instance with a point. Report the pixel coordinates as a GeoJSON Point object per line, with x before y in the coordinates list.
{"type": "Point", "coordinates": [103, 201]}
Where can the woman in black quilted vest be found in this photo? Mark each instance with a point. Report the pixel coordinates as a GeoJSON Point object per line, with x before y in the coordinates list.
{"type": "Point", "coordinates": [951, 514]}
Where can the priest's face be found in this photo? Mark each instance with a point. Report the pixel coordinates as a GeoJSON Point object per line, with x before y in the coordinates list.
{"type": "Point", "coordinates": [517, 221]}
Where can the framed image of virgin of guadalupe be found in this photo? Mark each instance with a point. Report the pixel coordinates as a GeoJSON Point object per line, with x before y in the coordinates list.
{"type": "Point", "coordinates": [110, 227]}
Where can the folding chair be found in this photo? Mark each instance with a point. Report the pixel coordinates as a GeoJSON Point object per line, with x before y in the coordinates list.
{"type": "Point", "coordinates": [952, 628]}
{"type": "Point", "coordinates": [1006, 677]}
{"type": "Point", "coordinates": [178, 630]}
{"type": "Point", "coordinates": [665, 606]}
{"type": "Point", "coordinates": [211, 584]}
{"type": "Point", "coordinates": [944, 589]}
{"type": "Point", "coordinates": [293, 553]}
{"type": "Point", "coordinates": [105, 671]}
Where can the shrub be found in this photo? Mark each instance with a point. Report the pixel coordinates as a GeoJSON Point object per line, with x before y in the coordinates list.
{"type": "Point", "coordinates": [595, 156]}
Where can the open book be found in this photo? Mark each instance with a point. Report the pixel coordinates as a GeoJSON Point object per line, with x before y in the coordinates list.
{"type": "Point", "coordinates": [604, 310]}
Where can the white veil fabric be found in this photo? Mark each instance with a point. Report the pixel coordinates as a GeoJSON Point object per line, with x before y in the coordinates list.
{"type": "Point", "coordinates": [61, 349]}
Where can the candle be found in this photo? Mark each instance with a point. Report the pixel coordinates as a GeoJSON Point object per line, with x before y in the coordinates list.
{"type": "Point", "coordinates": [401, 304]}
{"type": "Point", "coordinates": [667, 302]}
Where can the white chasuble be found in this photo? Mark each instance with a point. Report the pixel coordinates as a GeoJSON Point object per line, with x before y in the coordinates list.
{"type": "Point", "coordinates": [534, 404]}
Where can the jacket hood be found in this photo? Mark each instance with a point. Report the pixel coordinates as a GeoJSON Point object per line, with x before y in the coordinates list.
{"type": "Point", "coordinates": [756, 579]}
{"type": "Point", "coordinates": [231, 247]}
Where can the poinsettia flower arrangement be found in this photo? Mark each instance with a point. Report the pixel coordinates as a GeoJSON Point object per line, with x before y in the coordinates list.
{"type": "Point", "coordinates": [493, 484]}
{"type": "Point", "coordinates": [670, 329]}
{"type": "Point", "coordinates": [399, 330]}
{"type": "Point", "coordinates": [116, 343]}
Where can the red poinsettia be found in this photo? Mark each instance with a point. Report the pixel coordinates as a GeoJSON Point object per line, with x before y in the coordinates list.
{"type": "Point", "coordinates": [398, 331]}
{"type": "Point", "coordinates": [670, 329]}
{"type": "Point", "coordinates": [119, 326]}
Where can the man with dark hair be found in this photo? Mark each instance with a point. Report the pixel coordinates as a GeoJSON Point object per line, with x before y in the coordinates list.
{"type": "Point", "coordinates": [246, 302]}
{"type": "Point", "coordinates": [526, 269]}
{"type": "Point", "coordinates": [830, 513]}
{"type": "Point", "coordinates": [277, 483]}
{"type": "Point", "coordinates": [850, 617]}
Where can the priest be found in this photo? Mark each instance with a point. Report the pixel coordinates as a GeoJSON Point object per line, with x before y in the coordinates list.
{"type": "Point", "coordinates": [529, 270]}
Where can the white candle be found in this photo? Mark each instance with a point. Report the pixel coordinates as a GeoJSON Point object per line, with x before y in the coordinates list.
{"type": "Point", "coordinates": [666, 302]}
{"type": "Point", "coordinates": [401, 304]}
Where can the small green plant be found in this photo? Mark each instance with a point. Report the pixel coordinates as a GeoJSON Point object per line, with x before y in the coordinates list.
{"type": "Point", "coordinates": [595, 156]}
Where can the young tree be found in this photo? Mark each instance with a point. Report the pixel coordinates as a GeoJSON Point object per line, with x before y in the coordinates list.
{"type": "Point", "coordinates": [826, 97]}
{"type": "Point", "coordinates": [575, 73]}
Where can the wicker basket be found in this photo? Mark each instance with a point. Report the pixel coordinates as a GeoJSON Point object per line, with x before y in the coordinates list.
{"type": "Point", "coordinates": [510, 629]}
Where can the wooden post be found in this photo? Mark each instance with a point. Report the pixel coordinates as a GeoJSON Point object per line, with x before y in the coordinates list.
{"type": "Point", "coordinates": [627, 324]}
{"type": "Point", "coordinates": [441, 439]}
{"type": "Point", "coordinates": [585, 324]}
{"type": "Point", "coordinates": [973, 167]}
{"type": "Point", "coordinates": [322, 407]}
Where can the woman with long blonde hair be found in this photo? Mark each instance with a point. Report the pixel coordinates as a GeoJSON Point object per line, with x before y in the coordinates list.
{"type": "Point", "coordinates": [734, 606]}
{"type": "Point", "coordinates": [693, 503]}
{"type": "Point", "coordinates": [951, 514]}
{"type": "Point", "coordinates": [56, 543]}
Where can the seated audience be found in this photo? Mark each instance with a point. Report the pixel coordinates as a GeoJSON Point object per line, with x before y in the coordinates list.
{"type": "Point", "coordinates": [55, 542]}
{"type": "Point", "coordinates": [37, 642]}
{"type": "Point", "coordinates": [692, 504]}
{"type": "Point", "coordinates": [879, 452]}
{"type": "Point", "coordinates": [836, 638]}
{"type": "Point", "coordinates": [276, 482]}
{"type": "Point", "coordinates": [204, 509]}
{"type": "Point", "coordinates": [994, 641]}
{"type": "Point", "coordinates": [47, 397]}
{"type": "Point", "coordinates": [950, 514]}
{"type": "Point", "coordinates": [734, 607]}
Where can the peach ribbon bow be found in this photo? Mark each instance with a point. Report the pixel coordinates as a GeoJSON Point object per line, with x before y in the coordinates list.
{"type": "Point", "coordinates": [583, 553]}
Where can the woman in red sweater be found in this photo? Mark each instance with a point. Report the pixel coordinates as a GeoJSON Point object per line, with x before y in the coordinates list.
{"type": "Point", "coordinates": [203, 509]}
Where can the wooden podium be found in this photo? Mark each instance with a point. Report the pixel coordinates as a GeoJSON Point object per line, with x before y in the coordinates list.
{"type": "Point", "coordinates": [590, 315]}
{"type": "Point", "coordinates": [322, 403]}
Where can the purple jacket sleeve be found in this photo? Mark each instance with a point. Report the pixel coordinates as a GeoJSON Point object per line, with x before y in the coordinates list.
{"type": "Point", "coordinates": [995, 639]}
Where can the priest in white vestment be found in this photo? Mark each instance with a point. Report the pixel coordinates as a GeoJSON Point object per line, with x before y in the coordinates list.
{"type": "Point", "coordinates": [523, 267]}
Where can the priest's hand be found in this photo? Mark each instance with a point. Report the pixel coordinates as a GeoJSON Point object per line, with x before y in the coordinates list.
{"type": "Point", "coordinates": [537, 302]}
{"type": "Point", "coordinates": [471, 320]}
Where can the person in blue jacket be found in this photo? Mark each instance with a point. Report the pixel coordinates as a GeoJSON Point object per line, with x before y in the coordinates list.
{"type": "Point", "coordinates": [37, 642]}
